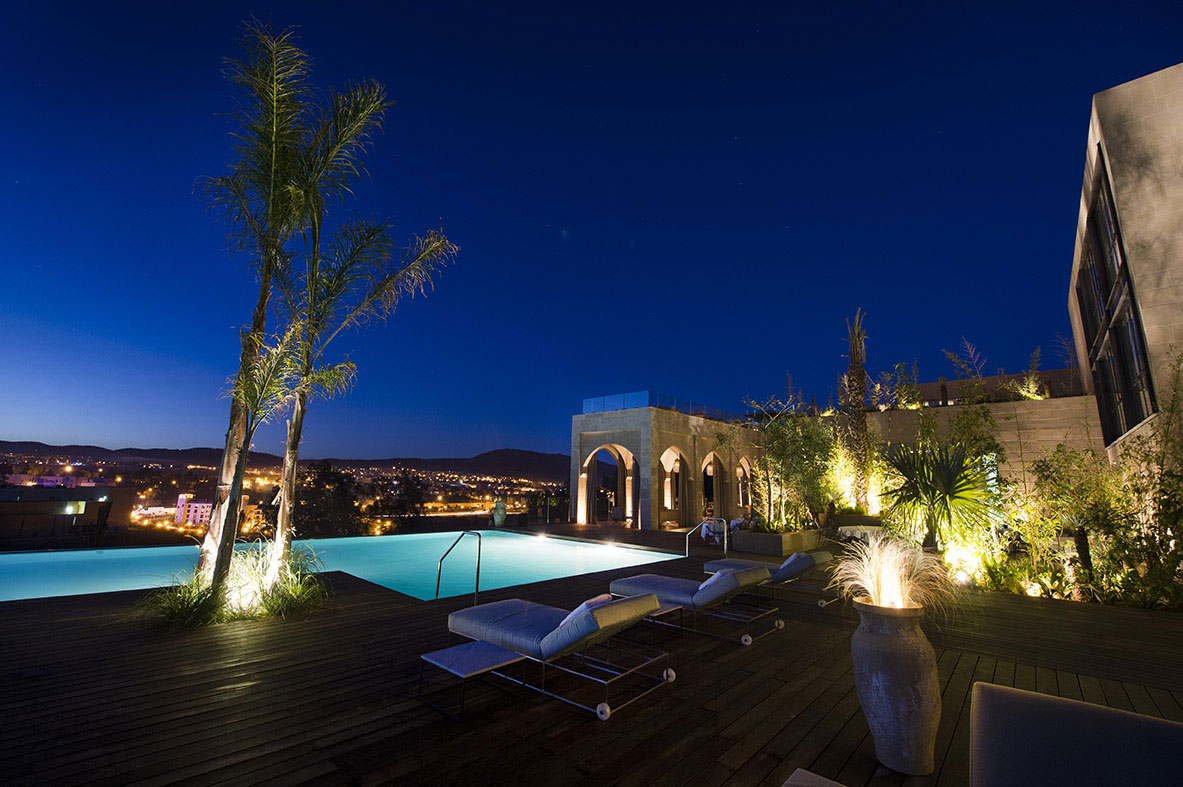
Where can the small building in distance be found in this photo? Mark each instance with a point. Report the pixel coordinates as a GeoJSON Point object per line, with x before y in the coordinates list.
{"type": "Point", "coordinates": [32, 516]}
{"type": "Point", "coordinates": [195, 513]}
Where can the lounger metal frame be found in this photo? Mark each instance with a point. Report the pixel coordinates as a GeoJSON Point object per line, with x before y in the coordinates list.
{"type": "Point", "coordinates": [607, 672]}
{"type": "Point", "coordinates": [732, 610]}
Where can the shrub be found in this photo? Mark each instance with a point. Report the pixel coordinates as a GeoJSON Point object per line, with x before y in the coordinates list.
{"type": "Point", "coordinates": [192, 602]}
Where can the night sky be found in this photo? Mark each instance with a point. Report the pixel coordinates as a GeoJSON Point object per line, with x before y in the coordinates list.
{"type": "Point", "coordinates": [648, 196]}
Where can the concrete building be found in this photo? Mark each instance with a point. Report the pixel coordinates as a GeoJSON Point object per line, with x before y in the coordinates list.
{"type": "Point", "coordinates": [192, 512]}
{"type": "Point", "coordinates": [1126, 291]}
{"type": "Point", "coordinates": [670, 468]}
{"type": "Point", "coordinates": [31, 514]}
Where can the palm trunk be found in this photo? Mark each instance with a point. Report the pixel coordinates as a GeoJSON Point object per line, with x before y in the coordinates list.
{"type": "Point", "coordinates": [233, 509]}
{"type": "Point", "coordinates": [282, 547]}
{"type": "Point", "coordinates": [229, 472]}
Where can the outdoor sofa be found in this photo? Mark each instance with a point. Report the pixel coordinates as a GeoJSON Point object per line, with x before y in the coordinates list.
{"type": "Point", "coordinates": [1021, 737]}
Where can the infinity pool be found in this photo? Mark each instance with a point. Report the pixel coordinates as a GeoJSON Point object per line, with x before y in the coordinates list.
{"type": "Point", "coordinates": [405, 563]}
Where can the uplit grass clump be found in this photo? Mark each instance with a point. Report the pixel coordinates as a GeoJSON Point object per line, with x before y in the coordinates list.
{"type": "Point", "coordinates": [892, 573]}
{"type": "Point", "coordinates": [192, 602]}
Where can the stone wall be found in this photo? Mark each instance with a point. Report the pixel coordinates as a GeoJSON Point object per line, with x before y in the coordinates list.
{"type": "Point", "coordinates": [1027, 430]}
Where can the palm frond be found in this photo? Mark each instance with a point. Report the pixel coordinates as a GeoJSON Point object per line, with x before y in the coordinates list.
{"type": "Point", "coordinates": [343, 132]}
{"type": "Point", "coordinates": [269, 382]}
{"type": "Point", "coordinates": [941, 487]}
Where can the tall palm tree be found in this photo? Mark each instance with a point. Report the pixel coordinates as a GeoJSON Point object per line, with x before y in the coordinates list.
{"type": "Point", "coordinates": [854, 401]}
{"type": "Point", "coordinates": [256, 200]}
{"type": "Point", "coordinates": [942, 487]}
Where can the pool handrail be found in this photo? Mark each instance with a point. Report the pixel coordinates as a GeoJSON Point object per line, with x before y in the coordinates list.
{"type": "Point", "coordinates": [726, 533]}
{"type": "Point", "coordinates": [440, 568]}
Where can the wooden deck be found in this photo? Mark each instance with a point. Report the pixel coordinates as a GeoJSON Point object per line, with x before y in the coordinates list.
{"type": "Point", "coordinates": [87, 696]}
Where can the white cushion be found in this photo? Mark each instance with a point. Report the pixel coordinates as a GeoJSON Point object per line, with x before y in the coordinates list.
{"type": "Point", "coordinates": [718, 576]}
{"type": "Point", "coordinates": [595, 601]}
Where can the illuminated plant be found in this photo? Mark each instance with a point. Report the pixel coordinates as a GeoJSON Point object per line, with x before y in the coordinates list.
{"type": "Point", "coordinates": [887, 572]}
{"type": "Point", "coordinates": [942, 490]}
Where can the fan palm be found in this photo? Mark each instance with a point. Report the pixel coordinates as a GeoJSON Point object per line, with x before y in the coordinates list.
{"type": "Point", "coordinates": [943, 488]}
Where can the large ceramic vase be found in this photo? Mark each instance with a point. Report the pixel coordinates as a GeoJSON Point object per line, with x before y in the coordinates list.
{"type": "Point", "coordinates": [895, 673]}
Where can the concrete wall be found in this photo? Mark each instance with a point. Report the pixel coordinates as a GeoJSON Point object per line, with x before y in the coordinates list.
{"type": "Point", "coordinates": [1027, 430]}
{"type": "Point", "coordinates": [1139, 129]}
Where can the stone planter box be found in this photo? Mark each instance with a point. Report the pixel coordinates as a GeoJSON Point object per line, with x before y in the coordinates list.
{"type": "Point", "coordinates": [782, 544]}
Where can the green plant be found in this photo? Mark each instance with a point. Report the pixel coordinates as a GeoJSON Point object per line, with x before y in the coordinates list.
{"type": "Point", "coordinates": [193, 601]}
{"type": "Point", "coordinates": [789, 481]}
{"type": "Point", "coordinates": [940, 490]}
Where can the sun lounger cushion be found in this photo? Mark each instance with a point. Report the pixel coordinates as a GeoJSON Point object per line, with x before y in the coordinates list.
{"type": "Point", "coordinates": [794, 566]}
{"type": "Point", "coordinates": [594, 601]}
{"type": "Point", "coordinates": [512, 624]}
{"type": "Point", "coordinates": [596, 624]}
{"type": "Point", "coordinates": [688, 593]}
{"type": "Point", "coordinates": [538, 631]}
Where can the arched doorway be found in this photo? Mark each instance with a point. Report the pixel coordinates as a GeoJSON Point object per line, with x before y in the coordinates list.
{"type": "Point", "coordinates": [714, 486]}
{"type": "Point", "coordinates": [673, 487]}
{"type": "Point", "coordinates": [743, 487]}
{"type": "Point", "coordinates": [611, 478]}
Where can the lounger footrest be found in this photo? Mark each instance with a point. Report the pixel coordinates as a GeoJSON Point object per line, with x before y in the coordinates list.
{"type": "Point", "coordinates": [472, 659]}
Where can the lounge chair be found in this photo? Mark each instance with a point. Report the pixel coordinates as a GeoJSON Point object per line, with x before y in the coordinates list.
{"type": "Point", "coordinates": [795, 566]}
{"type": "Point", "coordinates": [512, 631]}
{"type": "Point", "coordinates": [716, 597]}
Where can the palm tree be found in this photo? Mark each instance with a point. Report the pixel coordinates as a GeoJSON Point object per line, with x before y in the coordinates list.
{"type": "Point", "coordinates": [854, 404]}
{"type": "Point", "coordinates": [261, 391]}
{"type": "Point", "coordinates": [942, 487]}
{"type": "Point", "coordinates": [356, 280]}
{"type": "Point", "coordinates": [255, 199]}
{"type": "Point", "coordinates": [356, 276]}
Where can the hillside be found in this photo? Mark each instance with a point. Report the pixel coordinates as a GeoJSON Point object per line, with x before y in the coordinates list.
{"type": "Point", "coordinates": [511, 462]}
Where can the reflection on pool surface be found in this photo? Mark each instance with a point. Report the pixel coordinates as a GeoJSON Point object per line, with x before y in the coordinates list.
{"type": "Point", "coordinates": [406, 563]}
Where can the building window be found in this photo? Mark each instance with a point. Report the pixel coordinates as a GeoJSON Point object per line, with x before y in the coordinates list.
{"type": "Point", "coordinates": [1109, 316]}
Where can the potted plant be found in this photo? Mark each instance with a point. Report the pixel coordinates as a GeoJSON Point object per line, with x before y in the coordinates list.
{"type": "Point", "coordinates": [891, 582]}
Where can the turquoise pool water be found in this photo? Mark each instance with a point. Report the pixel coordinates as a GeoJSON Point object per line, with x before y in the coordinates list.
{"type": "Point", "coordinates": [405, 563]}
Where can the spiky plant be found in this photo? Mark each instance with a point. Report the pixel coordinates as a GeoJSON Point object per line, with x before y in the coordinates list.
{"type": "Point", "coordinates": [887, 572]}
{"type": "Point", "coordinates": [942, 488]}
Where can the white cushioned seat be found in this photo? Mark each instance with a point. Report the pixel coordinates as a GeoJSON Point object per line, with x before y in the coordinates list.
{"type": "Point", "coordinates": [539, 631]}
{"type": "Point", "coordinates": [688, 593]}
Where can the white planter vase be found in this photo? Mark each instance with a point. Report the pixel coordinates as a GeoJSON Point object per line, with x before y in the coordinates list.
{"type": "Point", "coordinates": [895, 673]}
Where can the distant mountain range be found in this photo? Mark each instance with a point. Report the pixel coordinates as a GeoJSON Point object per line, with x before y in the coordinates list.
{"type": "Point", "coordinates": [509, 462]}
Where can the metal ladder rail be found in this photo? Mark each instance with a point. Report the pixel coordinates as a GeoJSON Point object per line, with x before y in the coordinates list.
{"type": "Point", "coordinates": [440, 568]}
{"type": "Point", "coordinates": [726, 535]}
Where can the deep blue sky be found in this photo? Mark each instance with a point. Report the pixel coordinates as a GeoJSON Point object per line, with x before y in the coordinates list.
{"type": "Point", "coordinates": [665, 196]}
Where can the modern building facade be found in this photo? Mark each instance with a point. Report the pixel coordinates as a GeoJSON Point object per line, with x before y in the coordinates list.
{"type": "Point", "coordinates": [1126, 290]}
